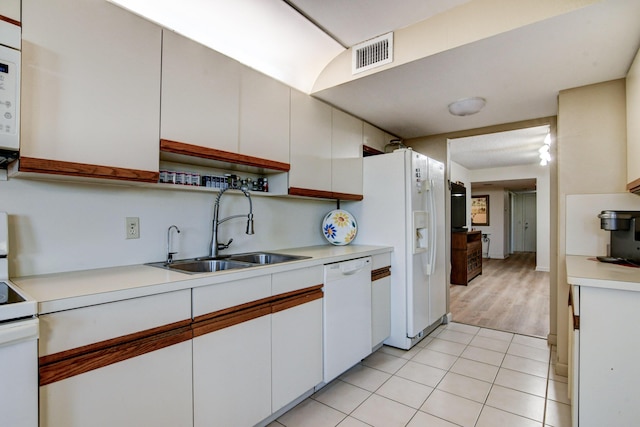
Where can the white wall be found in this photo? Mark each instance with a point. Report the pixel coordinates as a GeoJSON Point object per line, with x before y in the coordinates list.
{"type": "Point", "coordinates": [592, 158]}
{"type": "Point", "coordinates": [495, 229]}
{"type": "Point", "coordinates": [61, 226]}
{"type": "Point", "coordinates": [543, 202]}
{"type": "Point", "coordinates": [583, 233]}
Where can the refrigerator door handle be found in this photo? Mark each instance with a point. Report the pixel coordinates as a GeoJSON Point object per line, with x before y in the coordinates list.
{"type": "Point", "coordinates": [432, 229]}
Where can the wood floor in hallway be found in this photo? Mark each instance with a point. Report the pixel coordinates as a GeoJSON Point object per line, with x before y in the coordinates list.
{"type": "Point", "coordinates": [510, 295]}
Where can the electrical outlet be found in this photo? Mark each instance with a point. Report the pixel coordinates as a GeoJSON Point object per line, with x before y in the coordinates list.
{"type": "Point", "coordinates": [132, 227]}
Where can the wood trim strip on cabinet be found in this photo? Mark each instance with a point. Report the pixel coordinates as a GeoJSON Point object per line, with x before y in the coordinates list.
{"type": "Point", "coordinates": [58, 167]}
{"type": "Point", "coordinates": [575, 319]}
{"type": "Point", "coordinates": [634, 186]}
{"type": "Point", "coordinates": [10, 20]}
{"type": "Point", "coordinates": [232, 310]}
{"type": "Point", "coordinates": [347, 196]}
{"type": "Point", "coordinates": [322, 194]}
{"type": "Point", "coordinates": [90, 348]}
{"type": "Point", "coordinates": [294, 301]}
{"type": "Point", "coordinates": [75, 361]}
{"type": "Point", "coordinates": [380, 273]}
{"type": "Point", "coordinates": [307, 290]}
{"type": "Point", "coordinates": [231, 319]}
{"type": "Point", "coordinates": [305, 192]}
{"type": "Point", "coordinates": [77, 365]}
{"type": "Point", "coordinates": [370, 151]}
{"type": "Point", "coordinates": [241, 313]}
{"type": "Point", "coordinates": [182, 148]}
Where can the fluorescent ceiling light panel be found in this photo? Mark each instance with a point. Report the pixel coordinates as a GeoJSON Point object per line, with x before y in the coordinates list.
{"type": "Point", "coordinates": [267, 35]}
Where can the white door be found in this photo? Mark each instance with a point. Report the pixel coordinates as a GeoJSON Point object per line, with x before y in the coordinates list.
{"type": "Point", "coordinates": [524, 222]}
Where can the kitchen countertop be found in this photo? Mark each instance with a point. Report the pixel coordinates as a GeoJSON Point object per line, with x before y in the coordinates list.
{"type": "Point", "coordinates": [587, 271]}
{"type": "Point", "coordinates": [64, 291]}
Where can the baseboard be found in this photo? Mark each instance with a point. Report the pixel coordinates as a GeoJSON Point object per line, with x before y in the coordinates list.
{"type": "Point", "coordinates": [562, 369]}
{"type": "Point", "coordinates": [267, 421]}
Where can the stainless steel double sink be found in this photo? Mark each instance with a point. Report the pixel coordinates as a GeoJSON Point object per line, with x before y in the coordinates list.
{"type": "Point", "coordinates": [228, 262]}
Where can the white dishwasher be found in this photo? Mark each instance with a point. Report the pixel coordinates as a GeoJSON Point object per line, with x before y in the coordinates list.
{"type": "Point", "coordinates": [347, 315]}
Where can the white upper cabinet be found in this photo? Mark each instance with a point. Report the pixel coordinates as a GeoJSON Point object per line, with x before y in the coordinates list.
{"type": "Point", "coordinates": [200, 95]}
{"type": "Point", "coordinates": [264, 117]}
{"type": "Point", "coordinates": [310, 143]}
{"type": "Point", "coordinates": [373, 137]}
{"type": "Point", "coordinates": [346, 153]}
{"type": "Point", "coordinates": [10, 9]}
{"type": "Point", "coordinates": [90, 84]}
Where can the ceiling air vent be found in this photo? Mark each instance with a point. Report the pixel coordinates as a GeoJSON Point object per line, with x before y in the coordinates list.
{"type": "Point", "coordinates": [372, 53]}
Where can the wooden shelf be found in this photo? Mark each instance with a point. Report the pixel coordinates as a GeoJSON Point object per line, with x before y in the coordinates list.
{"type": "Point", "coordinates": [466, 256]}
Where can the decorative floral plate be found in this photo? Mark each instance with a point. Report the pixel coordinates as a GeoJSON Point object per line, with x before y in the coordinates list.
{"type": "Point", "coordinates": [339, 227]}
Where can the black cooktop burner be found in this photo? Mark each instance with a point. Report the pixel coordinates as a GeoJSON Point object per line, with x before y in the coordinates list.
{"type": "Point", "coordinates": [8, 295]}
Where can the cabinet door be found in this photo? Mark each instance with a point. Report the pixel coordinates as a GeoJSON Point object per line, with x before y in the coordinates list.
{"type": "Point", "coordinates": [380, 298]}
{"type": "Point", "coordinates": [310, 143]}
{"type": "Point", "coordinates": [346, 153]}
{"type": "Point", "coordinates": [232, 375]}
{"type": "Point", "coordinates": [373, 137]}
{"type": "Point", "coordinates": [264, 117]}
{"type": "Point", "coordinates": [380, 310]}
{"type": "Point", "coordinates": [296, 352]}
{"type": "Point", "coordinates": [200, 94]}
{"type": "Point", "coordinates": [10, 9]}
{"type": "Point", "coordinates": [90, 84]}
{"type": "Point", "coordinates": [609, 345]}
{"type": "Point", "coordinates": [154, 389]}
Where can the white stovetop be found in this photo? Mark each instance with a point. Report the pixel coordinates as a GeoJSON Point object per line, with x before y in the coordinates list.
{"type": "Point", "coordinates": [64, 291]}
{"type": "Point", "coordinates": [588, 271]}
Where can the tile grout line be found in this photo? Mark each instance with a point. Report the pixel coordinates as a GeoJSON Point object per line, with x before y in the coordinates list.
{"type": "Point", "coordinates": [458, 357]}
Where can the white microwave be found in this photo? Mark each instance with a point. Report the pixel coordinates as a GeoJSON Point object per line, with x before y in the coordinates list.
{"type": "Point", "coordinates": [10, 61]}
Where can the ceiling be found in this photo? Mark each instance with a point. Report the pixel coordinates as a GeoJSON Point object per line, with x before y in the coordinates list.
{"type": "Point", "coordinates": [495, 150]}
{"type": "Point", "coordinates": [502, 149]}
{"type": "Point", "coordinates": [519, 72]}
{"type": "Point", "coordinates": [354, 21]}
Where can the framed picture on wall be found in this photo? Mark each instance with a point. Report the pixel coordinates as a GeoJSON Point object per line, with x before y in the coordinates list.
{"type": "Point", "coordinates": [480, 210]}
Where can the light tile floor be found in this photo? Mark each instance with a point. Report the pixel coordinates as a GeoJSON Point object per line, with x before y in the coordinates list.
{"type": "Point", "coordinates": [459, 375]}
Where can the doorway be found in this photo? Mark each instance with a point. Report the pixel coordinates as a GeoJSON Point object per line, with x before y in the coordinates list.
{"type": "Point", "coordinates": [513, 292]}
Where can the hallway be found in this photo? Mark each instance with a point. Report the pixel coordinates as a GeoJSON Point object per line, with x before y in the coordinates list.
{"type": "Point", "coordinates": [509, 296]}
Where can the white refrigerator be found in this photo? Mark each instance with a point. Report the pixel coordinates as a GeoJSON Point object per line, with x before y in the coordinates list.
{"type": "Point", "coordinates": [404, 207]}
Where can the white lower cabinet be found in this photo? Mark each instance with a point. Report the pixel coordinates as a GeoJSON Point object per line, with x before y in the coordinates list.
{"type": "Point", "coordinates": [149, 390]}
{"type": "Point", "coordinates": [232, 375]}
{"type": "Point", "coordinates": [228, 354]}
{"type": "Point", "coordinates": [257, 346]}
{"type": "Point", "coordinates": [296, 351]}
{"type": "Point", "coordinates": [126, 363]}
{"type": "Point", "coordinates": [605, 349]}
{"type": "Point", "coordinates": [380, 299]}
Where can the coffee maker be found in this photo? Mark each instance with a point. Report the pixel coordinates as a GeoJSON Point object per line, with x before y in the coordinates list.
{"type": "Point", "coordinates": [625, 236]}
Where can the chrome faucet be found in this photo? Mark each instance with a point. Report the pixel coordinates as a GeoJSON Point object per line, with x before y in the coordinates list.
{"type": "Point", "coordinates": [169, 253]}
{"type": "Point", "coordinates": [215, 246]}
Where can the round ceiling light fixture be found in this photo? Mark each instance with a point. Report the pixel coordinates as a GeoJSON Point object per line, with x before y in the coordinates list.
{"type": "Point", "coordinates": [467, 106]}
